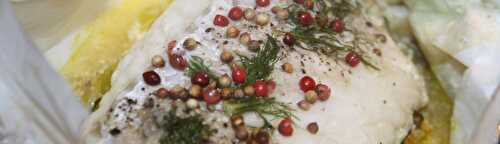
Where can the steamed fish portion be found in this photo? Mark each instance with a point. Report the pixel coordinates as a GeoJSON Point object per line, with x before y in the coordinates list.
{"type": "Point", "coordinates": [261, 72]}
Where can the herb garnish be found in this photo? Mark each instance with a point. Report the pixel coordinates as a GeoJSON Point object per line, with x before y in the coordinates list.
{"type": "Point", "coordinates": [261, 66]}
{"type": "Point", "coordinates": [195, 65]}
{"type": "Point", "coordinates": [315, 38]}
{"type": "Point", "coordinates": [190, 130]}
{"type": "Point", "coordinates": [323, 41]}
{"type": "Point", "coordinates": [260, 105]}
{"type": "Point", "coordinates": [337, 8]}
{"type": "Point", "coordinates": [319, 37]}
{"type": "Point", "coordinates": [319, 40]}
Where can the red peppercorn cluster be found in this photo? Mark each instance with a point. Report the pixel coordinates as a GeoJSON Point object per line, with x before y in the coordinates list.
{"type": "Point", "coordinates": [305, 18]}
{"type": "Point", "coordinates": [313, 91]}
{"type": "Point", "coordinates": [236, 13]}
{"type": "Point", "coordinates": [213, 89]}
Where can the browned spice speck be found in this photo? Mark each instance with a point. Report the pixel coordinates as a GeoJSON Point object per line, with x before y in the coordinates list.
{"type": "Point", "coordinates": [149, 103]}
{"type": "Point", "coordinates": [381, 38]}
{"type": "Point", "coordinates": [209, 30]}
{"type": "Point", "coordinates": [131, 101]}
{"type": "Point", "coordinates": [377, 52]}
{"type": "Point", "coordinates": [369, 24]}
{"type": "Point", "coordinates": [313, 128]}
{"type": "Point", "coordinates": [115, 131]}
{"type": "Point", "coordinates": [161, 93]}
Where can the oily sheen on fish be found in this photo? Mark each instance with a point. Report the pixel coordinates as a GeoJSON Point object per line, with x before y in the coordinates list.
{"type": "Point", "coordinates": [366, 105]}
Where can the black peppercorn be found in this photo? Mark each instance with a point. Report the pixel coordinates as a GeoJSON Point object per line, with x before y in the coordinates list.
{"type": "Point", "coordinates": [115, 131]}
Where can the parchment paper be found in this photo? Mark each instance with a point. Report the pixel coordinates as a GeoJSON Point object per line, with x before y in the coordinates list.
{"type": "Point", "coordinates": [36, 105]}
{"type": "Point", "coordinates": [460, 39]}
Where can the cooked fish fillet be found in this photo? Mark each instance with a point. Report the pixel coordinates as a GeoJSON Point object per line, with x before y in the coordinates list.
{"type": "Point", "coordinates": [366, 106]}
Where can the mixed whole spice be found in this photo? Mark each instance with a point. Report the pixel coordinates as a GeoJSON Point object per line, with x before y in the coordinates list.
{"type": "Point", "coordinates": [315, 25]}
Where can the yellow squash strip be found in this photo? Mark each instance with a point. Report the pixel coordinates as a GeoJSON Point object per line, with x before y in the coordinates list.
{"type": "Point", "coordinates": [100, 46]}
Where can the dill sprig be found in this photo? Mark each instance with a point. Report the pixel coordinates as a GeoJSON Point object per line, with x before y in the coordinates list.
{"type": "Point", "coordinates": [195, 65]}
{"type": "Point", "coordinates": [339, 9]}
{"type": "Point", "coordinates": [323, 41]}
{"type": "Point", "coordinates": [293, 10]}
{"type": "Point", "coordinates": [325, 8]}
{"type": "Point", "coordinates": [188, 130]}
{"type": "Point", "coordinates": [318, 38]}
{"type": "Point", "coordinates": [266, 106]}
{"type": "Point", "coordinates": [261, 106]}
{"type": "Point", "coordinates": [261, 66]}
{"type": "Point", "coordinates": [368, 63]}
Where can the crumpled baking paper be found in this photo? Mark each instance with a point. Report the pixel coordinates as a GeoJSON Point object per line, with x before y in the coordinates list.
{"type": "Point", "coordinates": [36, 105]}
{"type": "Point", "coordinates": [461, 41]}
{"type": "Point", "coordinates": [46, 22]}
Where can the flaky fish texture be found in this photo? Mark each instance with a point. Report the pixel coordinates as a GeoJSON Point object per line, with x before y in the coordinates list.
{"type": "Point", "coordinates": [367, 105]}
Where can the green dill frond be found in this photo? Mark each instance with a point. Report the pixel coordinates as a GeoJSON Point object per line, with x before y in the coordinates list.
{"type": "Point", "coordinates": [293, 10]}
{"type": "Point", "coordinates": [339, 9]}
{"type": "Point", "coordinates": [368, 63]}
{"type": "Point", "coordinates": [327, 43]}
{"type": "Point", "coordinates": [262, 106]}
{"type": "Point", "coordinates": [261, 66]}
{"type": "Point", "coordinates": [195, 65]}
{"type": "Point", "coordinates": [190, 130]}
{"type": "Point", "coordinates": [322, 39]}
